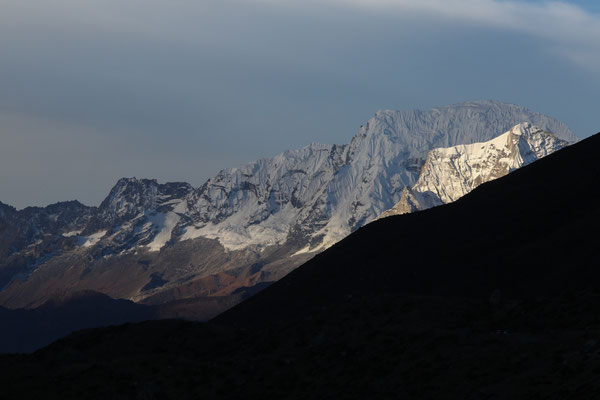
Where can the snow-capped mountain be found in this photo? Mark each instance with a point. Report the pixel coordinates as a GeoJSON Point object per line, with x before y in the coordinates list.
{"type": "Point", "coordinates": [138, 212]}
{"type": "Point", "coordinates": [450, 173]}
{"type": "Point", "coordinates": [264, 217]}
{"type": "Point", "coordinates": [319, 194]}
{"type": "Point", "coordinates": [313, 196]}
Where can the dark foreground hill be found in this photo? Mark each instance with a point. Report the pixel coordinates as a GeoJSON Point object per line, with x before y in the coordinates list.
{"type": "Point", "coordinates": [496, 296]}
{"type": "Point", "coordinates": [27, 330]}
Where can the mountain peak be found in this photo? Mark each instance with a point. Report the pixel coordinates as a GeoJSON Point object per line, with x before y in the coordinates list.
{"type": "Point", "coordinates": [128, 195]}
{"type": "Point", "coordinates": [6, 209]}
{"type": "Point", "coordinates": [131, 197]}
{"type": "Point", "coordinates": [146, 193]}
{"type": "Point", "coordinates": [477, 118]}
{"type": "Point", "coordinates": [450, 173]}
{"type": "Point", "coordinates": [526, 128]}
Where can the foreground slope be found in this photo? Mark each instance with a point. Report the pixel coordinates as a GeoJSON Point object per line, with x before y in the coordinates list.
{"type": "Point", "coordinates": [494, 296]}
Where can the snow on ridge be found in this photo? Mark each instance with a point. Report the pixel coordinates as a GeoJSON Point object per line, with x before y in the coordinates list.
{"type": "Point", "coordinates": [164, 224]}
{"type": "Point", "coordinates": [450, 173]}
{"type": "Point", "coordinates": [321, 191]}
{"type": "Point", "coordinates": [93, 239]}
{"type": "Point", "coordinates": [330, 190]}
{"type": "Point", "coordinates": [72, 233]}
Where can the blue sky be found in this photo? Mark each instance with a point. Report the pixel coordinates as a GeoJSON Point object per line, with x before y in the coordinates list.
{"type": "Point", "coordinates": [92, 91]}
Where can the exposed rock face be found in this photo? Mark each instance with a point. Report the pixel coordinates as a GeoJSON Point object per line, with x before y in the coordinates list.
{"type": "Point", "coordinates": [256, 221]}
{"type": "Point", "coordinates": [450, 173]}
{"type": "Point", "coordinates": [138, 212]}
{"type": "Point", "coordinates": [30, 237]}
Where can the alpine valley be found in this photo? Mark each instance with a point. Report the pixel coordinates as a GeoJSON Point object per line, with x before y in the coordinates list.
{"type": "Point", "coordinates": [251, 225]}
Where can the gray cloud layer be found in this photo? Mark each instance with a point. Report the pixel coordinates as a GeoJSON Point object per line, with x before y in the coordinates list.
{"type": "Point", "coordinates": [92, 91]}
{"type": "Point", "coordinates": [567, 28]}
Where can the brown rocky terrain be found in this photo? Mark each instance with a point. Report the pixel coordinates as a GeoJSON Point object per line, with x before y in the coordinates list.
{"type": "Point", "coordinates": [193, 268]}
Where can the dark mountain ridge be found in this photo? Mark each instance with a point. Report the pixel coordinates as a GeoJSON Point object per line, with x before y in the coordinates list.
{"type": "Point", "coordinates": [27, 330]}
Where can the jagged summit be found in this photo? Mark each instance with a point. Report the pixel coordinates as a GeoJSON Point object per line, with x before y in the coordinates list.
{"type": "Point", "coordinates": [131, 197]}
{"type": "Point", "coordinates": [450, 173]}
{"type": "Point", "coordinates": [131, 193]}
{"type": "Point", "coordinates": [5, 209]}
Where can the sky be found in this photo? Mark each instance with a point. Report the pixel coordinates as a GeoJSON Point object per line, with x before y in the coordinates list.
{"type": "Point", "coordinates": [95, 90]}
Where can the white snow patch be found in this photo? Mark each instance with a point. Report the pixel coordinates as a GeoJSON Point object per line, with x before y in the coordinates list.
{"type": "Point", "coordinates": [89, 241]}
{"type": "Point", "coordinates": [191, 232]}
{"type": "Point", "coordinates": [181, 207]}
{"type": "Point", "coordinates": [71, 234]}
{"type": "Point", "coordinates": [36, 243]}
{"type": "Point", "coordinates": [234, 233]}
{"type": "Point", "coordinates": [165, 224]}
{"type": "Point", "coordinates": [305, 250]}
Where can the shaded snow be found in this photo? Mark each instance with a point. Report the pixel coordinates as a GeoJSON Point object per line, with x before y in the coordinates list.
{"type": "Point", "coordinates": [91, 240]}
{"type": "Point", "coordinates": [163, 224]}
{"type": "Point", "coordinates": [72, 233]}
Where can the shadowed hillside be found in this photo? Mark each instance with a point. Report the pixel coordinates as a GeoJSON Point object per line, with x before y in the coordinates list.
{"type": "Point", "coordinates": [27, 330]}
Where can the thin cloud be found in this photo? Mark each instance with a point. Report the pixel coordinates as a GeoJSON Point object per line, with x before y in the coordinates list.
{"type": "Point", "coordinates": [569, 30]}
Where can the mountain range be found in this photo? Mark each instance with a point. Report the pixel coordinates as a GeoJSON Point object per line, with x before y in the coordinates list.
{"type": "Point", "coordinates": [450, 173]}
{"type": "Point", "coordinates": [492, 296]}
{"type": "Point", "coordinates": [155, 243]}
